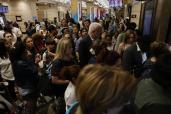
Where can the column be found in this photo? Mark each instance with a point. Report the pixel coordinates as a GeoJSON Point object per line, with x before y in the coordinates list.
{"type": "Point", "coordinates": [90, 10]}
{"type": "Point", "coordinates": [74, 9]}
{"type": "Point", "coordinates": [79, 10]}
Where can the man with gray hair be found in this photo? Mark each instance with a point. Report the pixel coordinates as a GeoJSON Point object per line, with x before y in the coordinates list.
{"type": "Point", "coordinates": [94, 33]}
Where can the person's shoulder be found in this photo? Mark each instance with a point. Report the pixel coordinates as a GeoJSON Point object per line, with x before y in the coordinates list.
{"type": "Point", "coordinates": [132, 48]}
{"type": "Point", "coordinates": [86, 39]}
{"type": "Point", "coordinates": [21, 63]}
{"type": "Point", "coordinates": [121, 44]}
{"type": "Point", "coordinates": [148, 64]}
{"type": "Point", "coordinates": [79, 39]}
{"type": "Point", "coordinates": [56, 61]}
{"type": "Point", "coordinates": [73, 108]}
{"type": "Point", "coordinates": [144, 82]}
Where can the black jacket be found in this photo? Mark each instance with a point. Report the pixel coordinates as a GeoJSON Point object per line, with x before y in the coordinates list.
{"type": "Point", "coordinates": [26, 74]}
{"type": "Point", "coordinates": [132, 60]}
{"type": "Point", "coordinates": [84, 50]}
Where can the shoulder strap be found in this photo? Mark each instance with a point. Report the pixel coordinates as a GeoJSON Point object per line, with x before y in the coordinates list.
{"type": "Point", "coordinates": [72, 109]}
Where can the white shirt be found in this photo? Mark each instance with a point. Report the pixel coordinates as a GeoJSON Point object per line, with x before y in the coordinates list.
{"type": "Point", "coordinates": [6, 69]}
{"type": "Point", "coordinates": [14, 40]}
{"type": "Point", "coordinates": [37, 27]}
{"type": "Point", "coordinates": [144, 56]}
{"type": "Point", "coordinates": [2, 34]}
{"type": "Point", "coordinates": [17, 31]}
{"type": "Point", "coordinates": [70, 95]}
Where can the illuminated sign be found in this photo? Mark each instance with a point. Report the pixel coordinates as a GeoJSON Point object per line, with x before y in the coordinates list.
{"type": "Point", "coordinates": [3, 9]}
{"type": "Point", "coordinates": [115, 3]}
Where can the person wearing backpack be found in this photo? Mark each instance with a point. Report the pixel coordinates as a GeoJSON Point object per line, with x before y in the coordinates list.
{"type": "Point", "coordinates": [155, 91]}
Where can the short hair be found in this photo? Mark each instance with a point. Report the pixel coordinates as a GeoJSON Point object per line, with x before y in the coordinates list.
{"type": "Point", "coordinates": [64, 20]}
{"type": "Point", "coordinates": [50, 41]}
{"type": "Point", "coordinates": [158, 48]}
{"type": "Point", "coordinates": [69, 72]}
{"type": "Point", "coordinates": [8, 28]}
{"type": "Point", "coordinates": [7, 32]}
{"type": "Point", "coordinates": [39, 43]}
{"type": "Point", "coordinates": [133, 25]}
{"type": "Point", "coordinates": [64, 30]}
{"type": "Point", "coordinates": [88, 20]}
{"type": "Point", "coordinates": [37, 39]}
{"type": "Point", "coordinates": [100, 87]}
{"type": "Point", "coordinates": [51, 28]}
{"type": "Point", "coordinates": [15, 25]}
{"type": "Point", "coordinates": [83, 29]}
{"type": "Point", "coordinates": [108, 57]}
{"type": "Point", "coordinates": [94, 26]}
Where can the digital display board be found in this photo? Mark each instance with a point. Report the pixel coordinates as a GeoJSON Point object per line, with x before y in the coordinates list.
{"type": "Point", "coordinates": [3, 9]}
{"type": "Point", "coordinates": [115, 3]}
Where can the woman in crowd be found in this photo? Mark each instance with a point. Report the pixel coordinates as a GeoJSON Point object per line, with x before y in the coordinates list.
{"type": "Point", "coordinates": [63, 58]}
{"type": "Point", "coordinates": [6, 71]}
{"type": "Point", "coordinates": [103, 36]}
{"type": "Point", "coordinates": [68, 36]}
{"type": "Point", "coordinates": [103, 90]}
{"type": "Point", "coordinates": [26, 76]}
{"type": "Point", "coordinates": [128, 41]}
{"type": "Point", "coordinates": [28, 42]}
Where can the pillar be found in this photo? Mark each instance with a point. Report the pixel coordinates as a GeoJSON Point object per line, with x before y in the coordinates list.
{"type": "Point", "coordinates": [74, 10]}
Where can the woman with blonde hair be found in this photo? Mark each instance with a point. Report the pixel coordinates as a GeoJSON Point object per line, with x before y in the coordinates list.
{"type": "Point", "coordinates": [63, 58]}
{"type": "Point", "coordinates": [103, 90]}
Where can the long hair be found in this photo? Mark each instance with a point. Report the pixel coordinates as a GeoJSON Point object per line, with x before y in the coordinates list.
{"type": "Point", "coordinates": [99, 88]}
{"type": "Point", "coordinates": [3, 49]}
{"type": "Point", "coordinates": [62, 47]}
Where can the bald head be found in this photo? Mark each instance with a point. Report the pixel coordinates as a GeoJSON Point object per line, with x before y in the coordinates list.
{"type": "Point", "coordinates": [95, 30]}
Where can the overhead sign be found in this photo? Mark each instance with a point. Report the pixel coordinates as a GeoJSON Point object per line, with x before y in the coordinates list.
{"type": "Point", "coordinates": [115, 3]}
{"type": "Point", "coordinates": [3, 9]}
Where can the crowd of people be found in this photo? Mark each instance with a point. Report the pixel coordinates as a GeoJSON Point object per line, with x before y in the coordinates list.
{"type": "Point", "coordinates": [99, 67]}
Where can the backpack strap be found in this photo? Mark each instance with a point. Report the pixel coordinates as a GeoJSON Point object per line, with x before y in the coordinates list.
{"type": "Point", "coordinates": [73, 108]}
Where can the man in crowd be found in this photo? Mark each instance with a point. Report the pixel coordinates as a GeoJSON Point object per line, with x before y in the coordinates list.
{"type": "Point", "coordinates": [95, 31]}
